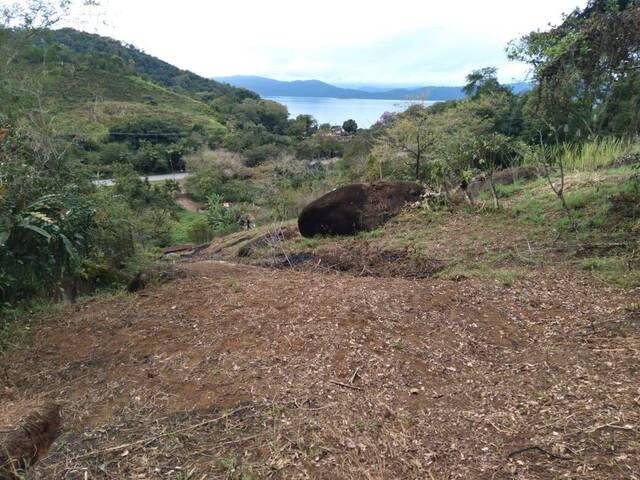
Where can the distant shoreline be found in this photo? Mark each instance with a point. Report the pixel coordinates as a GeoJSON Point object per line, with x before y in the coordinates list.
{"type": "Point", "coordinates": [410, 100]}
{"type": "Point", "coordinates": [366, 112]}
{"type": "Point", "coordinates": [268, 87]}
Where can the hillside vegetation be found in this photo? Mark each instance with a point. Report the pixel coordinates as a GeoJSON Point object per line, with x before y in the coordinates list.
{"type": "Point", "coordinates": [489, 330]}
{"type": "Point", "coordinates": [77, 105]}
{"type": "Point", "coordinates": [470, 341]}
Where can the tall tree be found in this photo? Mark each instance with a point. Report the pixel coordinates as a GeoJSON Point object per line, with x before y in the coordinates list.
{"type": "Point", "coordinates": [482, 82]}
{"type": "Point", "coordinates": [407, 136]}
{"type": "Point", "coordinates": [581, 66]}
{"type": "Point", "coordinates": [350, 126]}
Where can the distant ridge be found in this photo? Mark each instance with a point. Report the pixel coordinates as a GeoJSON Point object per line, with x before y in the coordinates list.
{"type": "Point", "coordinates": [268, 87]}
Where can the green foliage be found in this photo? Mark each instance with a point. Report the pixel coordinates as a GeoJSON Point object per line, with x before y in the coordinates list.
{"type": "Point", "coordinates": [191, 227]}
{"type": "Point", "coordinates": [139, 193]}
{"type": "Point", "coordinates": [222, 173]}
{"type": "Point", "coordinates": [585, 71]}
{"type": "Point", "coordinates": [595, 154]}
{"type": "Point", "coordinates": [223, 217]}
{"type": "Point", "coordinates": [152, 68]}
{"type": "Point", "coordinates": [613, 270]}
{"type": "Point", "coordinates": [350, 126]}
{"type": "Point", "coordinates": [320, 146]}
{"type": "Point", "coordinates": [200, 231]}
{"type": "Point", "coordinates": [447, 144]}
{"type": "Point", "coordinates": [151, 130]}
{"type": "Point", "coordinates": [303, 126]}
{"type": "Point", "coordinates": [483, 82]}
{"type": "Point", "coordinates": [260, 154]}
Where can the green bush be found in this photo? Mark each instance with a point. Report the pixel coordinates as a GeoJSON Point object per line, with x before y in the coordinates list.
{"type": "Point", "coordinates": [260, 154]}
{"type": "Point", "coordinates": [321, 145]}
{"type": "Point", "coordinates": [224, 218]}
{"type": "Point", "coordinates": [200, 231]}
{"type": "Point", "coordinates": [228, 181]}
{"type": "Point", "coordinates": [115, 154]}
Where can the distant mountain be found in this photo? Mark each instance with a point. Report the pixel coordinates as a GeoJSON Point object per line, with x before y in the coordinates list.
{"type": "Point", "coordinates": [268, 87]}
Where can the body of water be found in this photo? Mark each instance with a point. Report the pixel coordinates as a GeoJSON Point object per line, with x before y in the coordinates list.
{"type": "Point", "coordinates": [337, 110]}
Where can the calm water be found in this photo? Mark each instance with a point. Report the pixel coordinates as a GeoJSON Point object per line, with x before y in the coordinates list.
{"type": "Point", "coordinates": [337, 110]}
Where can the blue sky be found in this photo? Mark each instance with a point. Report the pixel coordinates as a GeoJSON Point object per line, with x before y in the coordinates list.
{"type": "Point", "coordinates": [375, 43]}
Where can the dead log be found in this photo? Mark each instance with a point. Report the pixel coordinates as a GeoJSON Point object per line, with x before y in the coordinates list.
{"type": "Point", "coordinates": [29, 442]}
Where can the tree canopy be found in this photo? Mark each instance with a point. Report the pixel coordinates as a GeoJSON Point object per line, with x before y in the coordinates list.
{"type": "Point", "coordinates": [586, 69]}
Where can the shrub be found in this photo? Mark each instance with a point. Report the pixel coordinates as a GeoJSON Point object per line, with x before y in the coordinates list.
{"type": "Point", "coordinates": [257, 155]}
{"type": "Point", "coordinates": [114, 154]}
{"type": "Point", "coordinates": [150, 130]}
{"type": "Point", "coordinates": [200, 231]}
{"type": "Point", "coordinates": [350, 126]}
{"type": "Point", "coordinates": [224, 218]}
{"type": "Point", "coordinates": [321, 145]}
{"type": "Point", "coordinates": [219, 172]}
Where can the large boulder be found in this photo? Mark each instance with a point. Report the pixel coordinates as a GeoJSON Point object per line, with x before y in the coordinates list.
{"type": "Point", "coordinates": [357, 207]}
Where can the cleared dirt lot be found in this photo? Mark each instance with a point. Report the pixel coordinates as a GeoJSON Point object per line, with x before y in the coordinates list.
{"type": "Point", "coordinates": [243, 372]}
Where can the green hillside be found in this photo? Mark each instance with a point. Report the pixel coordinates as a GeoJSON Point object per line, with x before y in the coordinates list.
{"type": "Point", "coordinates": [119, 104]}
{"type": "Point", "coordinates": [155, 69]}
{"type": "Point", "coordinates": [92, 83]}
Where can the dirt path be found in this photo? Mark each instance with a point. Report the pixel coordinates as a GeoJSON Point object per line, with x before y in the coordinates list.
{"type": "Point", "coordinates": [239, 372]}
{"type": "Point", "coordinates": [185, 201]}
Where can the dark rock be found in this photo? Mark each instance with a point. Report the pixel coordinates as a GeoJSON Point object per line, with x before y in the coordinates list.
{"type": "Point", "coordinates": [357, 207]}
{"type": "Point", "coordinates": [627, 159]}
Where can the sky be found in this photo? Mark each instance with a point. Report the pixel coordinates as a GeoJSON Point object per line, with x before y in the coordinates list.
{"type": "Point", "coordinates": [398, 43]}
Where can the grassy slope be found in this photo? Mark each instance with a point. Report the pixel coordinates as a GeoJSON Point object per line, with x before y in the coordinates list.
{"type": "Point", "coordinates": [88, 89]}
{"type": "Point", "coordinates": [530, 231]}
{"type": "Point", "coordinates": [89, 102]}
{"type": "Point", "coordinates": [180, 228]}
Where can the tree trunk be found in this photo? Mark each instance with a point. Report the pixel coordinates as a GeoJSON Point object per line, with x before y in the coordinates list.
{"type": "Point", "coordinates": [467, 197]}
{"type": "Point", "coordinates": [447, 196]}
{"type": "Point", "coordinates": [29, 442]}
{"type": "Point", "coordinates": [496, 203]}
{"type": "Point", "coordinates": [418, 158]}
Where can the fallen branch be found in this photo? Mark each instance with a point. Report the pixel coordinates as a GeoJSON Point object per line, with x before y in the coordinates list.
{"type": "Point", "coordinates": [627, 428]}
{"type": "Point", "coordinates": [538, 448]}
{"type": "Point", "coordinates": [345, 385]}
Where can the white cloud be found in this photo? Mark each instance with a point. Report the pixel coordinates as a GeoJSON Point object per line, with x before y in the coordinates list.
{"type": "Point", "coordinates": [408, 42]}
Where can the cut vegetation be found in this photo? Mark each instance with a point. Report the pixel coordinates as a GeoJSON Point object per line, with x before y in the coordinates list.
{"type": "Point", "coordinates": [464, 303]}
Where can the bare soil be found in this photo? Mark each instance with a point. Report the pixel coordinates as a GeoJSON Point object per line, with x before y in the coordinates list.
{"type": "Point", "coordinates": [185, 201]}
{"type": "Point", "coordinates": [358, 258]}
{"type": "Point", "coordinates": [242, 372]}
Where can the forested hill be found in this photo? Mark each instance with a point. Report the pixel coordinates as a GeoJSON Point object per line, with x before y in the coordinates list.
{"type": "Point", "coordinates": [123, 107]}
{"type": "Point", "coordinates": [269, 87]}
{"type": "Point", "coordinates": [153, 68]}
